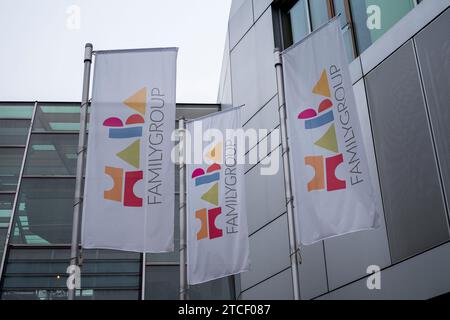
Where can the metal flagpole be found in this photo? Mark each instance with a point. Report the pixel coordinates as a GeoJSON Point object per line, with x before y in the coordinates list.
{"type": "Point", "coordinates": [294, 251]}
{"type": "Point", "coordinates": [182, 162]}
{"type": "Point", "coordinates": [74, 250]}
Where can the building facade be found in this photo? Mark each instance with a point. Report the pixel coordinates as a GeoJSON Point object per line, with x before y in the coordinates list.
{"type": "Point", "coordinates": [399, 59]}
{"type": "Point", "coordinates": [38, 155]}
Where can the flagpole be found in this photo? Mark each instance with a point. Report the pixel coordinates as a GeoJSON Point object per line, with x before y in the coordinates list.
{"type": "Point", "coordinates": [74, 249]}
{"type": "Point", "coordinates": [182, 162]}
{"type": "Point", "coordinates": [294, 251]}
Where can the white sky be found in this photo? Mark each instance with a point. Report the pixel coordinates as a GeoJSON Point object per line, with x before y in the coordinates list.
{"type": "Point", "coordinates": [41, 58]}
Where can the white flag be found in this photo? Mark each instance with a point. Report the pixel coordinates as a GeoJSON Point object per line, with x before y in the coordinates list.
{"type": "Point", "coordinates": [129, 190]}
{"type": "Point", "coordinates": [216, 218]}
{"type": "Point", "coordinates": [332, 187]}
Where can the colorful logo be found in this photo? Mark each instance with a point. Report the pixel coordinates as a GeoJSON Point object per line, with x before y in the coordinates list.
{"type": "Point", "coordinates": [323, 165]}
{"type": "Point", "coordinates": [130, 128]}
{"type": "Point", "coordinates": [211, 177]}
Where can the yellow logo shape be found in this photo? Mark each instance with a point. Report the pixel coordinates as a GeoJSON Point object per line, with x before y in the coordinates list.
{"type": "Point", "coordinates": [138, 101]}
{"type": "Point", "coordinates": [215, 154]}
{"type": "Point", "coordinates": [322, 87]}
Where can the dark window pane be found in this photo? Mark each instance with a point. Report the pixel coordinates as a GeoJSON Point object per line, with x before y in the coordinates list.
{"type": "Point", "coordinates": [44, 212]}
{"type": "Point", "coordinates": [373, 18]}
{"type": "Point", "coordinates": [10, 163]}
{"type": "Point", "coordinates": [319, 13]}
{"type": "Point", "coordinates": [220, 289]}
{"type": "Point", "coordinates": [16, 111]}
{"type": "Point", "coordinates": [299, 20]}
{"type": "Point", "coordinates": [162, 282]}
{"type": "Point", "coordinates": [52, 154]}
{"type": "Point", "coordinates": [6, 204]}
{"type": "Point", "coordinates": [192, 111]}
{"type": "Point", "coordinates": [40, 274]}
{"type": "Point", "coordinates": [14, 132]}
{"type": "Point", "coordinates": [57, 118]}
{"type": "Point", "coordinates": [339, 9]}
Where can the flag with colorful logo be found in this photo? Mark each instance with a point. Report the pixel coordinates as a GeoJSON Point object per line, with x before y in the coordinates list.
{"type": "Point", "coordinates": [129, 188]}
{"type": "Point", "coordinates": [217, 234]}
{"type": "Point", "coordinates": [332, 187]}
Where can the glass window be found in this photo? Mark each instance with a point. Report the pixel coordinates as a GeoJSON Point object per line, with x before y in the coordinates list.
{"type": "Point", "coordinates": [162, 282]}
{"type": "Point", "coordinates": [16, 111]}
{"type": "Point", "coordinates": [52, 154]}
{"type": "Point", "coordinates": [299, 20]}
{"type": "Point", "coordinates": [373, 18]}
{"type": "Point", "coordinates": [6, 204]}
{"type": "Point", "coordinates": [339, 9]}
{"type": "Point", "coordinates": [3, 234]}
{"type": "Point", "coordinates": [319, 13]}
{"type": "Point", "coordinates": [10, 163]}
{"type": "Point", "coordinates": [40, 274]}
{"type": "Point", "coordinates": [220, 289]}
{"type": "Point", "coordinates": [51, 118]}
{"type": "Point", "coordinates": [14, 132]}
{"type": "Point", "coordinates": [44, 212]}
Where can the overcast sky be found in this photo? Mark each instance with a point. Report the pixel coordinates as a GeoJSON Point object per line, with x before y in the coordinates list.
{"type": "Point", "coordinates": [42, 43]}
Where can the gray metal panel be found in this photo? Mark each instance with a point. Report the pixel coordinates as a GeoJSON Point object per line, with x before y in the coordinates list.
{"type": "Point", "coordinates": [240, 22]}
{"type": "Point", "coordinates": [265, 197]}
{"type": "Point", "coordinates": [423, 277]}
{"type": "Point", "coordinates": [312, 271]}
{"type": "Point", "coordinates": [433, 48]}
{"type": "Point", "coordinates": [265, 118]}
{"type": "Point", "coordinates": [252, 68]}
{"type": "Point", "coordinates": [259, 6]}
{"type": "Point", "coordinates": [412, 195]}
{"type": "Point", "coordinates": [269, 253]}
{"type": "Point", "coordinates": [267, 153]}
{"type": "Point", "coordinates": [349, 256]}
{"type": "Point", "coordinates": [278, 287]}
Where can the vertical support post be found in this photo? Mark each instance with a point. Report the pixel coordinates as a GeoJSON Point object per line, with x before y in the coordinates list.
{"type": "Point", "coordinates": [74, 250]}
{"type": "Point", "coordinates": [294, 252]}
{"type": "Point", "coordinates": [143, 279]}
{"type": "Point", "coordinates": [182, 162]}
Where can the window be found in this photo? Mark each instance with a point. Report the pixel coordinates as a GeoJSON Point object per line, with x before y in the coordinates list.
{"type": "Point", "coordinates": [16, 111]}
{"type": "Point", "coordinates": [299, 20]}
{"type": "Point", "coordinates": [57, 118]}
{"type": "Point", "coordinates": [370, 19]}
{"type": "Point", "coordinates": [6, 205]}
{"type": "Point", "coordinates": [14, 132]}
{"type": "Point", "coordinates": [373, 18]}
{"type": "Point", "coordinates": [319, 13]}
{"type": "Point", "coordinates": [44, 212]}
{"type": "Point", "coordinates": [40, 274]}
{"type": "Point", "coordinates": [10, 163]}
{"type": "Point", "coordinates": [162, 283]}
{"type": "Point", "coordinates": [52, 154]}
